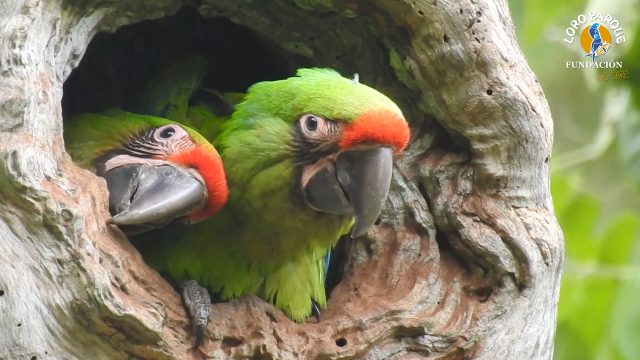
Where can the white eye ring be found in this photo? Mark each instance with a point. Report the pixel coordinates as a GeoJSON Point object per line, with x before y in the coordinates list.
{"type": "Point", "coordinates": [316, 129]}
{"type": "Point", "coordinates": [169, 133]}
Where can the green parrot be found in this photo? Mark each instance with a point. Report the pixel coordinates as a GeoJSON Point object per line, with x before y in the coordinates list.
{"type": "Point", "coordinates": [169, 93]}
{"type": "Point", "coordinates": [307, 159]}
{"type": "Point", "coordinates": [157, 171]}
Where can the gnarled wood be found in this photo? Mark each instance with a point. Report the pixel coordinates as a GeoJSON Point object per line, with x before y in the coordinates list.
{"type": "Point", "coordinates": [464, 264]}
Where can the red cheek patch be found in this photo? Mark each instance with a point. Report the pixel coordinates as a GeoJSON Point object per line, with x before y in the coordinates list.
{"type": "Point", "coordinates": [378, 127]}
{"type": "Point", "coordinates": [207, 162]}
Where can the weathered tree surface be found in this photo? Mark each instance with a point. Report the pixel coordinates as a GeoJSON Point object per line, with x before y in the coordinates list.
{"type": "Point", "coordinates": [465, 262]}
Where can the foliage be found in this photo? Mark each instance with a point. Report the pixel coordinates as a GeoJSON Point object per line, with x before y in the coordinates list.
{"type": "Point", "coordinates": [595, 177]}
{"type": "Point", "coordinates": [599, 283]}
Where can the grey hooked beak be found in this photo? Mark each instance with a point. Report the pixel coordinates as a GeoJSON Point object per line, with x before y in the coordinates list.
{"type": "Point", "coordinates": [358, 184]}
{"type": "Point", "coordinates": [144, 197]}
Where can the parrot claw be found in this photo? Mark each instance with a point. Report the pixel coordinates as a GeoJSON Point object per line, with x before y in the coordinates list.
{"type": "Point", "coordinates": [198, 304]}
{"type": "Point", "coordinates": [315, 310]}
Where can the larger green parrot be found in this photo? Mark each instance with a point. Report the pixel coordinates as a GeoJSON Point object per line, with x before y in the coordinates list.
{"type": "Point", "coordinates": [307, 159]}
{"type": "Point", "coordinates": [157, 171]}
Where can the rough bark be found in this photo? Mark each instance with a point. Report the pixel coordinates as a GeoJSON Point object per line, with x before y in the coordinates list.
{"type": "Point", "coordinates": [464, 264]}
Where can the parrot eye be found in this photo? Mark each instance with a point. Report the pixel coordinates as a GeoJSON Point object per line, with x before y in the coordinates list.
{"type": "Point", "coordinates": [316, 129]}
{"type": "Point", "coordinates": [167, 132]}
{"type": "Point", "coordinates": [165, 140]}
{"type": "Point", "coordinates": [311, 123]}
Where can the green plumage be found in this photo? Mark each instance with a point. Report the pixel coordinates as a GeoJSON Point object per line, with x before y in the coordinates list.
{"type": "Point", "coordinates": [175, 93]}
{"type": "Point", "coordinates": [168, 93]}
{"type": "Point", "coordinates": [267, 240]}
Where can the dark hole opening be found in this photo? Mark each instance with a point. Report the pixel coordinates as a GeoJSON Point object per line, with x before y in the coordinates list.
{"type": "Point", "coordinates": [116, 66]}
{"type": "Point", "coordinates": [1, 292]}
{"type": "Point", "coordinates": [341, 342]}
{"type": "Point", "coordinates": [231, 341]}
{"type": "Point", "coordinates": [339, 256]}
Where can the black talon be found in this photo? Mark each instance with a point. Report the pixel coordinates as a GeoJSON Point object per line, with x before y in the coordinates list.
{"type": "Point", "coordinates": [315, 310]}
{"type": "Point", "coordinates": [198, 304]}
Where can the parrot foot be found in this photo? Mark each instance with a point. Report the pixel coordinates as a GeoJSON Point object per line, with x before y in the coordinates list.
{"type": "Point", "coordinates": [315, 310]}
{"type": "Point", "coordinates": [198, 304]}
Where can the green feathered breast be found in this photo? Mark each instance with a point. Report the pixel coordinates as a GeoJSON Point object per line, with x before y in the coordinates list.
{"type": "Point", "coordinates": [267, 240]}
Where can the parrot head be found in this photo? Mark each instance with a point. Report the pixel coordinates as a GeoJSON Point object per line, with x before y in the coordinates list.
{"type": "Point", "coordinates": [341, 135]}
{"type": "Point", "coordinates": [157, 171]}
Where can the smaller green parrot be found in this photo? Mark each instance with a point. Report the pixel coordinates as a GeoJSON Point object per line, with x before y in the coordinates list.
{"type": "Point", "coordinates": [157, 171]}
{"type": "Point", "coordinates": [169, 93]}
{"type": "Point", "coordinates": [176, 93]}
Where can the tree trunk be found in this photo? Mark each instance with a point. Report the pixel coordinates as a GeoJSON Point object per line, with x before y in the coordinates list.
{"type": "Point", "coordinates": [465, 262]}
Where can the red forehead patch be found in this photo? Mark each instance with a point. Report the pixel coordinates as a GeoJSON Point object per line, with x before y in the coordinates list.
{"type": "Point", "coordinates": [207, 162]}
{"type": "Point", "coordinates": [382, 127]}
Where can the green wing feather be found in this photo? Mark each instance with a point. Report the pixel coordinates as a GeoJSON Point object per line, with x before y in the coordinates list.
{"type": "Point", "coordinates": [167, 94]}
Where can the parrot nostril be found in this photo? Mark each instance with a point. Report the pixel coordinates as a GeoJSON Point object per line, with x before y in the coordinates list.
{"type": "Point", "coordinates": [341, 342]}
{"type": "Point", "coordinates": [133, 193]}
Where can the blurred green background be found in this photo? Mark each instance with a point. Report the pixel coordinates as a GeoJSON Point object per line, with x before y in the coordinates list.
{"type": "Point", "coordinates": [595, 174]}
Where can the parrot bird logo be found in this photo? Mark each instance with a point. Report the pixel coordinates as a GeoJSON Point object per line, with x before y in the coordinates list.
{"type": "Point", "coordinates": [595, 40]}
